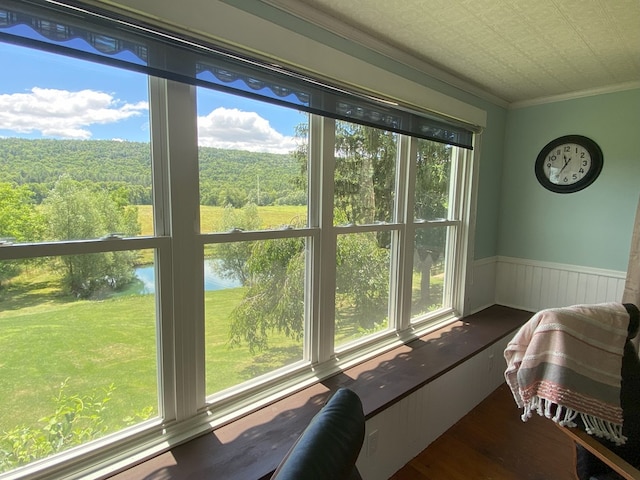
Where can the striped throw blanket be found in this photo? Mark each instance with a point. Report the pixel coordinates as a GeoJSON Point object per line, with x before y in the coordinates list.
{"type": "Point", "coordinates": [566, 362]}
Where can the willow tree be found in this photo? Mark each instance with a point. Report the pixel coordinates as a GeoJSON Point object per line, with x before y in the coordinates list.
{"type": "Point", "coordinates": [364, 193]}
{"type": "Point", "coordinates": [19, 222]}
{"type": "Point", "coordinates": [433, 175]}
{"type": "Point", "coordinates": [232, 257]}
{"type": "Point", "coordinates": [74, 210]}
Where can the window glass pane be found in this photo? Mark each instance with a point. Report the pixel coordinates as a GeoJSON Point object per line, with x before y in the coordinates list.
{"type": "Point", "coordinates": [254, 309]}
{"type": "Point", "coordinates": [251, 154]}
{"type": "Point", "coordinates": [429, 270]}
{"type": "Point", "coordinates": [79, 355]}
{"type": "Point", "coordinates": [365, 174]}
{"type": "Point", "coordinates": [362, 286]}
{"type": "Point", "coordinates": [74, 149]}
{"type": "Point", "coordinates": [433, 180]}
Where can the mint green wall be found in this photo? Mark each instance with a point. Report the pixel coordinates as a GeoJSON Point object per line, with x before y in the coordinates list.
{"type": "Point", "coordinates": [515, 216]}
{"type": "Point", "coordinates": [489, 184]}
{"type": "Point", "coordinates": [590, 228]}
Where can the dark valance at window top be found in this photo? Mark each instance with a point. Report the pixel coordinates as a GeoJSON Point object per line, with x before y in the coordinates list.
{"type": "Point", "coordinates": [71, 29]}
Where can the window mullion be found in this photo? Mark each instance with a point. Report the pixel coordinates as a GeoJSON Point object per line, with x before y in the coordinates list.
{"type": "Point", "coordinates": [187, 259]}
{"type": "Point", "coordinates": [312, 278]}
{"type": "Point", "coordinates": [161, 226]}
{"type": "Point", "coordinates": [328, 239]}
{"type": "Point", "coordinates": [398, 235]}
{"type": "Point", "coordinates": [406, 197]}
{"type": "Point", "coordinates": [453, 244]}
{"type": "Point", "coordinates": [463, 242]}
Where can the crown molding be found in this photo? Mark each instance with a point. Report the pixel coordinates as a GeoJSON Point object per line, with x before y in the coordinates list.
{"type": "Point", "coordinates": [348, 32]}
{"type": "Point", "coordinates": [620, 87]}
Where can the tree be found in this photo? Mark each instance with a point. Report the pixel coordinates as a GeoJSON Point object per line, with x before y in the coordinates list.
{"type": "Point", "coordinates": [365, 173]}
{"type": "Point", "coordinates": [275, 298]}
{"type": "Point", "coordinates": [362, 276]}
{"type": "Point", "coordinates": [230, 195]}
{"type": "Point", "coordinates": [74, 211]}
{"type": "Point", "coordinates": [431, 202]}
{"type": "Point", "coordinates": [19, 221]}
{"type": "Point", "coordinates": [274, 270]}
{"type": "Point", "coordinates": [77, 419]}
{"type": "Point", "coordinates": [233, 256]}
{"type": "Point", "coordinates": [364, 190]}
{"type": "Point", "coordinates": [364, 193]}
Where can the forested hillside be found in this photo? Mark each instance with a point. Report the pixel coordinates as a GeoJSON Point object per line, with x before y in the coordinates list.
{"type": "Point", "coordinates": [227, 176]}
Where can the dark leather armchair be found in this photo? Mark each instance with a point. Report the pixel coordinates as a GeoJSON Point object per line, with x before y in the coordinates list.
{"type": "Point", "coordinates": [328, 448]}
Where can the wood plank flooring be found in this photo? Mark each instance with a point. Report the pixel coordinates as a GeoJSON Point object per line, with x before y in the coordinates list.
{"type": "Point", "coordinates": [492, 443]}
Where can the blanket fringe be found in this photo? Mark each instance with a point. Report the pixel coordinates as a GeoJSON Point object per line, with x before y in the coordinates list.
{"type": "Point", "coordinates": [603, 429]}
{"type": "Point", "coordinates": [564, 417]}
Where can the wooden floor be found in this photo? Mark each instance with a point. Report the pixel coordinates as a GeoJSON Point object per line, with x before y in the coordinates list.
{"type": "Point", "coordinates": [492, 443]}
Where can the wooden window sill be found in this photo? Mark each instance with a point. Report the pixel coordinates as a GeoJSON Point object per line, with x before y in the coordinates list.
{"type": "Point", "coordinates": [252, 446]}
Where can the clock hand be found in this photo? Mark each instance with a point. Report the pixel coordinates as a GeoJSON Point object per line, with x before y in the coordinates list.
{"type": "Point", "coordinates": [566, 162]}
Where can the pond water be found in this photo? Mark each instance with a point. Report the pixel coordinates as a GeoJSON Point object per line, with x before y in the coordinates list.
{"type": "Point", "coordinates": [212, 281]}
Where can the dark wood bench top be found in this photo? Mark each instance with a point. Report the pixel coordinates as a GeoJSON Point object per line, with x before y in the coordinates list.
{"type": "Point", "coordinates": [251, 447]}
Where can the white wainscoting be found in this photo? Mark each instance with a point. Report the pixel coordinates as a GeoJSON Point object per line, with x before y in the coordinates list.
{"type": "Point", "coordinates": [480, 291]}
{"type": "Point", "coordinates": [533, 286]}
{"type": "Point", "coordinates": [410, 425]}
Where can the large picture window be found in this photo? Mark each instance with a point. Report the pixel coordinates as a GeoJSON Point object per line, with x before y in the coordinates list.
{"type": "Point", "coordinates": [178, 244]}
{"type": "Point", "coordinates": [364, 200]}
{"type": "Point", "coordinates": [78, 318]}
{"type": "Point", "coordinates": [252, 160]}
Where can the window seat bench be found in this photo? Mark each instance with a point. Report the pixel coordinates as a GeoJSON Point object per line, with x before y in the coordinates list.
{"type": "Point", "coordinates": [251, 447]}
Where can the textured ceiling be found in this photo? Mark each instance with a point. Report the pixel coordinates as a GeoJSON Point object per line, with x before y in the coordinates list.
{"type": "Point", "coordinates": [513, 50]}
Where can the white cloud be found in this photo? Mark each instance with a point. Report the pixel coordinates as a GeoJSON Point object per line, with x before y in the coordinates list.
{"type": "Point", "coordinates": [235, 129]}
{"type": "Point", "coordinates": [61, 113]}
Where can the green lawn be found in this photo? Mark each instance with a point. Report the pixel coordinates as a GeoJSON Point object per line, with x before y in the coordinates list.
{"type": "Point", "coordinates": [97, 343]}
{"type": "Point", "coordinates": [92, 343]}
{"type": "Point", "coordinates": [47, 338]}
{"type": "Point", "coordinates": [228, 366]}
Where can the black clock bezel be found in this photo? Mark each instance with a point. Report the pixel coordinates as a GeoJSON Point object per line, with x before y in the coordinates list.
{"type": "Point", "coordinates": [590, 177]}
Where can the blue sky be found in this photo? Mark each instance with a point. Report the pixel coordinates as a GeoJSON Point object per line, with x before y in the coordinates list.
{"type": "Point", "coordinates": [52, 96]}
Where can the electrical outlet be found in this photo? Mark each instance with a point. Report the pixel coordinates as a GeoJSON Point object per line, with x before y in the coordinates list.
{"type": "Point", "coordinates": [372, 443]}
{"type": "Point", "coordinates": [491, 363]}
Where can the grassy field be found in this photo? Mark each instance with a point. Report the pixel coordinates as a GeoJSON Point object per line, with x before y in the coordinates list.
{"type": "Point", "coordinates": [210, 217]}
{"type": "Point", "coordinates": [46, 338]}
{"type": "Point", "coordinates": [92, 343]}
{"type": "Point", "coordinates": [98, 343]}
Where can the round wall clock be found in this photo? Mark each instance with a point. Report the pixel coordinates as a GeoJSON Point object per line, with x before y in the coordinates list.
{"type": "Point", "coordinates": [568, 164]}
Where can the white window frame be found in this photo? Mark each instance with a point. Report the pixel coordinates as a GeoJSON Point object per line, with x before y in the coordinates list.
{"type": "Point", "coordinates": [185, 409]}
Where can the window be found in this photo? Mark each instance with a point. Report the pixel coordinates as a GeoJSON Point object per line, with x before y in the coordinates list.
{"type": "Point", "coordinates": [364, 202]}
{"type": "Point", "coordinates": [181, 243]}
{"type": "Point", "coordinates": [437, 217]}
{"type": "Point", "coordinates": [252, 161]}
{"type": "Point", "coordinates": [78, 317]}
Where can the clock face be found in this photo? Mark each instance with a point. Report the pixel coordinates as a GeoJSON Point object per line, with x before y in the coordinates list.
{"type": "Point", "coordinates": [568, 164]}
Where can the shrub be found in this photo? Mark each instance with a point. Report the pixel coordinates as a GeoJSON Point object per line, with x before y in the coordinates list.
{"type": "Point", "coordinates": [77, 419]}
